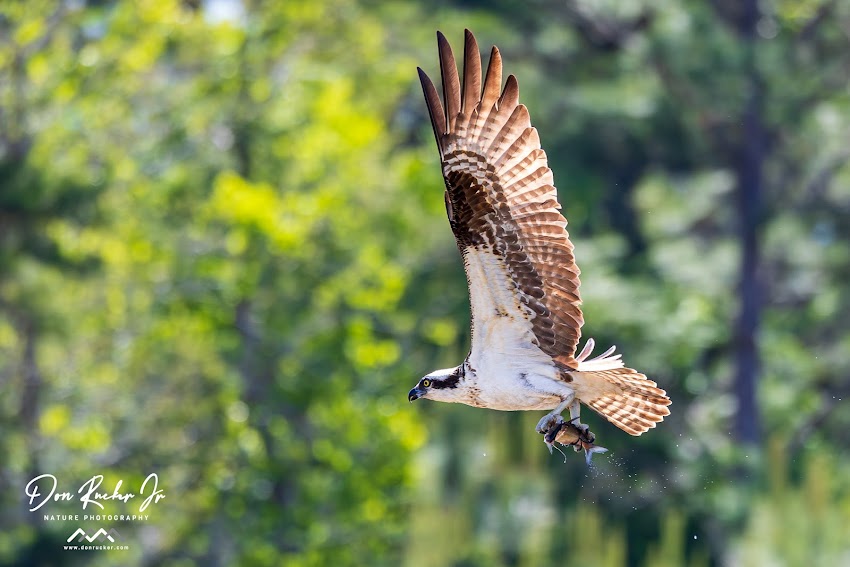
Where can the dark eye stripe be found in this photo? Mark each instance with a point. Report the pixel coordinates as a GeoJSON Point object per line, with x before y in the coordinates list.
{"type": "Point", "coordinates": [450, 382]}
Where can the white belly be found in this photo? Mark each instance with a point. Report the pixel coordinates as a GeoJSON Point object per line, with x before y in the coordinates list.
{"type": "Point", "coordinates": [514, 374]}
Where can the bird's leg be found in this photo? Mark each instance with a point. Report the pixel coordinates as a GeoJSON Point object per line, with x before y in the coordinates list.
{"type": "Point", "coordinates": [575, 410]}
{"type": "Point", "coordinates": [586, 434]}
{"type": "Point", "coordinates": [553, 418]}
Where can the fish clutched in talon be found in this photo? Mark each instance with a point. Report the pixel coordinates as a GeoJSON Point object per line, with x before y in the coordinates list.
{"type": "Point", "coordinates": [569, 434]}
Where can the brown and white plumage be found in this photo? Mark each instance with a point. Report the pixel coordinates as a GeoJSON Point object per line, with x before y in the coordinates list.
{"type": "Point", "coordinates": [523, 279]}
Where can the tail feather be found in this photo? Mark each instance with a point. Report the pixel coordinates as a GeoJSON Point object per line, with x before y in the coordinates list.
{"type": "Point", "coordinates": [605, 361]}
{"type": "Point", "coordinates": [625, 397]}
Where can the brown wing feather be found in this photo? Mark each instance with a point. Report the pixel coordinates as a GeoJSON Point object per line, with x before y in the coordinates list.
{"type": "Point", "coordinates": [451, 82]}
{"type": "Point", "coordinates": [500, 193]}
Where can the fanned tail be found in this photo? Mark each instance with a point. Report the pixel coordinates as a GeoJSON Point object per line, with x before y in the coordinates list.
{"type": "Point", "coordinates": [624, 396]}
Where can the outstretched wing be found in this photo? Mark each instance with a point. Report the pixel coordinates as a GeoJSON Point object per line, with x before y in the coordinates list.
{"type": "Point", "coordinates": [503, 206]}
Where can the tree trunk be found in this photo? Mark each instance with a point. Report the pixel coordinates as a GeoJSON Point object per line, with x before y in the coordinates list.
{"type": "Point", "coordinates": [749, 191]}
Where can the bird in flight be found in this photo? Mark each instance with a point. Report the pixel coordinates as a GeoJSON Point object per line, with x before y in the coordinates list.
{"type": "Point", "coordinates": [520, 268]}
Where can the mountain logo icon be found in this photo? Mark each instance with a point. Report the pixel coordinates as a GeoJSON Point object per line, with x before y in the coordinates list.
{"type": "Point", "coordinates": [111, 535]}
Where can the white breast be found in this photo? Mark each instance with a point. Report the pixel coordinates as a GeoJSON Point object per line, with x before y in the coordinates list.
{"type": "Point", "coordinates": [511, 373]}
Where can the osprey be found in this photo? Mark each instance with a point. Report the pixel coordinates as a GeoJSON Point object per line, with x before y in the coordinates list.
{"type": "Point", "coordinates": [520, 268]}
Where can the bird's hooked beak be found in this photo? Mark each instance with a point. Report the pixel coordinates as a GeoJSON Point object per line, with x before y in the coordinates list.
{"type": "Point", "coordinates": [414, 394]}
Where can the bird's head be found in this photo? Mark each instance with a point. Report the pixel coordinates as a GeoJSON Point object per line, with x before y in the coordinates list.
{"type": "Point", "coordinates": [440, 385]}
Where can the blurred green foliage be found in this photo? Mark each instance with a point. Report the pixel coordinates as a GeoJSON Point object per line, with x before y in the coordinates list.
{"type": "Point", "coordinates": [224, 259]}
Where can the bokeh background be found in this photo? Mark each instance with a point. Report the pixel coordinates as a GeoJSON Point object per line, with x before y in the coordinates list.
{"type": "Point", "coordinates": [224, 258]}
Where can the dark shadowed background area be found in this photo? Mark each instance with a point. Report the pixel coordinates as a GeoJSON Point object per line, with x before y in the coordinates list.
{"type": "Point", "coordinates": [224, 259]}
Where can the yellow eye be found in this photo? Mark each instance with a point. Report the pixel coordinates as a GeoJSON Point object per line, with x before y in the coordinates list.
{"type": "Point", "coordinates": [426, 383]}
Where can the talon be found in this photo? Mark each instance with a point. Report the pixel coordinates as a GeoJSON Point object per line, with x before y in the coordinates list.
{"type": "Point", "coordinates": [548, 422]}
